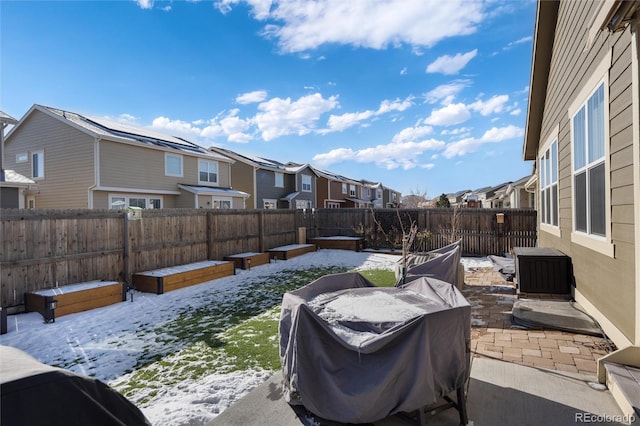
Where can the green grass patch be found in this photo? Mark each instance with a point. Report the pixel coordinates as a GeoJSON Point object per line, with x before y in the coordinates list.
{"type": "Point", "coordinates": [380, 277]}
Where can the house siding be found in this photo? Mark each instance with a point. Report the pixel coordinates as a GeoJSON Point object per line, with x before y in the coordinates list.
{"type": "Point", "coordinates": [607, 283]}
{"type": "Point", "coordinates": [68, 160]}
{"type": "Point", "coordinates": [242, 176]}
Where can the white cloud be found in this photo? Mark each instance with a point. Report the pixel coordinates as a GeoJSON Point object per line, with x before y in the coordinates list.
{"type": "Point", "coordinates": [412, 133]}
{"type": "Point", "coordinates": [451, 64]}
{"type": "Point", "coordinates": [403, 71]}
{"type": "Point", "coordinates": [338, 123]}
{"type": "Point", "coordinates": [494, 105]}
{"type": "Point", "coordinates": [252, 97]}
{"type": "Point", "coordinates": [280, 117]}
{"type": "Point", "coordinates": [405, 155]}
{"type": "Point", "coordinates": [175, 127]}
{"type": "Point", "coordinates": [516, 111]}
{"type": "Point", "coordinates": [449, 115]}
{"type": "Point", "coordinates": [446, 92]}
{"type": "Point", "coordinates": [145, 4]}
{"type": "Point", "coordinates": [493, 135]}
{"type": "Point", "coordinates": [298, 26]}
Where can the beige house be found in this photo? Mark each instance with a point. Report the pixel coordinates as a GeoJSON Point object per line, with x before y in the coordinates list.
{"type": "Point", "coordinates": [583, 131]}
{"type": "Point", "coordinates": [82, 162]}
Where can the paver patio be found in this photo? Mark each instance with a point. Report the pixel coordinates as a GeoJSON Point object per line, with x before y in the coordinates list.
{"type": "Point", "coordinates": [494, 336]}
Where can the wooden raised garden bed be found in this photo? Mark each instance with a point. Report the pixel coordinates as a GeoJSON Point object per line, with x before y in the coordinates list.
{"type": "Point", "coordinates": [160, 281]}
{"type": "Point", "coordinates": [339, 243]}
{"type": "Point", "coordinates": [293, 250]}
{"type": "Point", "coordinates": [75, 298]}
{"type": "Point", "coordinates": [249, 259]}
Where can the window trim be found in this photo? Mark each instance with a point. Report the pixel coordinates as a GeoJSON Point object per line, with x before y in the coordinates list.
{"type": "Point", "coordinates": [39, 152]}
{"type": "Point", "coordinates": [275, 179]}
{"type": "Point", "coordinates": [22, 157]}
{"type": "Point", "coordinates": [167, 155]}
{"type": "Point", "coordinates": [553, 137]}
{"type": "Point", "coordinates": [126, 197]}
{"type": "Point", "coordinates": [602, 245]}
{"type": "Point", "coordinates": [310, 183]}
{"type": "Point", "coordinates": [266, 201]}
{"type": "Point", "coordinates": [208, 162]}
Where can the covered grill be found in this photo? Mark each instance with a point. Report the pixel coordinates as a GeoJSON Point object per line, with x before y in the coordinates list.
{"type": "Point", "coordinates": [352, 352]}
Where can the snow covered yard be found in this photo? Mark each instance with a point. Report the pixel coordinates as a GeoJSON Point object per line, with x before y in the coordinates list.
{"type": "Point", "coordinates": [185, 356]}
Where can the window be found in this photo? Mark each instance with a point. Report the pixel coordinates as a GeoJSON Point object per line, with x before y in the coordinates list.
{"type": "Point", "coordinates": [22, 157]}
{"type": "Point", "coordinates": [344, 188]}
{"type": "Point", "coordinates": [352, 190]}
{"type": "Point", "coordinates": [123, 201]}
{"type": "Point", "coordinates": [306, 183]}
{"type": "Point", "coordinates": [331, 205]}
{"type": "Point", "coordinates": [279, 180]}
{"type": "Point", "coordinates": [303, 204]}
{"type": "Point", "coordinates": [269, 204]}
{"type": "Point", "coordinates": [173, 165]}
{"type": "Point", "coordinates": [589, 174]}
{"type": "Point", "coordinates": [207, 171]}
{"type": "Point", "coordinates": [37, 165]}
{"type": "Point", "coordinates": [549, 185]}
{"type": "Point", "coordinates": [221, 203]}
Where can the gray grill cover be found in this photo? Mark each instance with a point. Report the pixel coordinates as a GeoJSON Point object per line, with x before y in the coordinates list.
{"type": "Point", "coordinates": [34, 393]}
{"type": "Point", "coordinates": [441, 264]}
{"type": "Point", "coordinates": [371, 364]}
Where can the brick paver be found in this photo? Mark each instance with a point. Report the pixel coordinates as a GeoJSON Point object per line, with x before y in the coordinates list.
{"type": "Point", "coordinates": [494, 336]}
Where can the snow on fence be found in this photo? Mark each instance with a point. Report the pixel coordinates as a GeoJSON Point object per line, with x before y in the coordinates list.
{"type": "Point", "coordinates": [41, 249]}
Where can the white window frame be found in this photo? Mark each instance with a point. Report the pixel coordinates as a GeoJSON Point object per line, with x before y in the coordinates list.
{"type": "Point", "coordinates": [333, 205]}
{"type": "Point", "coordinates": [344, 188]}
{"type": "Point", "coordinates": [599, 77]}
{"type": "Point", "coordinates": [352, 190]}
{"type": "Point", "coordinates": [208, 164]}
{"type": "Point", "coordinates": [268, 203]}
{"type": "Point", "coordinates": [223, 203]}
{"type": "Point", "coordinates": [306, 183]}
{"type": "Point", "coordinates": [167, 157]}
{"type": "Point", "coordinates": [22, 157]}
{"type": "Point", "coordinates": [149, 201]}
{"type": "Point", "coordinates": [39, 157]}
{"type": "Point", "coordinates": [278, 179]}
{"type": "Point", "coordinates": [547, 184]}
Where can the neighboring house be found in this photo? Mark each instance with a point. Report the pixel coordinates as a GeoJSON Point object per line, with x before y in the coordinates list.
{"type": "Point", "coordinates": [374, 192]}
{"type": "Point", "coordinates": [583, 131]}
{"type": "Point", "coordinates": [391, 198]}
{"type": "Point", "coordinates": [271, 184]}
{"type": "Point", "coordinates": [335, 191]}
{"type": "Point", "coordinates": [456, 199]}
{"type": "Point", "coordinates": [515, 196]}
{"type": "Point", "coordinates": [81, 162]}
{"type": "Point", "coordinates": [13, 186]}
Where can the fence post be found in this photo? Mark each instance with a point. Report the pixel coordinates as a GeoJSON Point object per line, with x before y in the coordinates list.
{"type": "Point", "coordinates": [209, 235]}
{"type": "Point", "coordinates": [126, 255]}
{"type": "Point", "coordinates": [261, 230]}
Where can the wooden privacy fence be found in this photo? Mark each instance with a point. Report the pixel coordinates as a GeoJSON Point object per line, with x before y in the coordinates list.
{"type": "Point", "coordinates": [479, 229]}
{"type": "Point", "coordinates": [44, 248]}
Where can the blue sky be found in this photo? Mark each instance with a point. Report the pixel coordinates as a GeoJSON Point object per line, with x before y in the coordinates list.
{"type": "Point", "coordinates": [423, 96]}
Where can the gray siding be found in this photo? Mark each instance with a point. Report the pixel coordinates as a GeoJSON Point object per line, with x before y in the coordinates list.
{"type": "Point", "coordinates": [309, 196]}
{"type": "Point", "coordinates": [608, 283]}
{"type": "Point", "coordinates": [242, 177]}
{"type": "Point", "coordinates": [68, 160]}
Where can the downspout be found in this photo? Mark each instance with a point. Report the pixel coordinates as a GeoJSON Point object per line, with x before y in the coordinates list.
{"type": "Point", "coordinates": [635, 97]}
{"type": "Point", "coordinates": [96, 172]}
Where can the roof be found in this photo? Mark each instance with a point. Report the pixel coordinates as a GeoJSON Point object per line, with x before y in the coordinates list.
{"type": "Point", "coordinates": [210, 190]}
{"type": "Point", "coordinates": [106, 129]}
{"type": "Point", "coordinates": [6, 118]}
{"type": "Point", "coordinates": [291, 196]}
{"type": "Point", "coordinates": [332, 176]}
{"type": "Point", "coordinates": [11, 178]}
{"type": "Point", "coordinates": [358, 200]}
{"type": "Point", "coordinates": [544, 34]}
